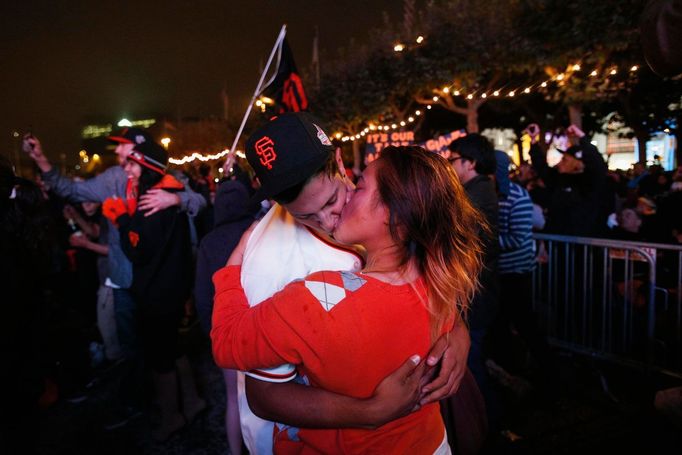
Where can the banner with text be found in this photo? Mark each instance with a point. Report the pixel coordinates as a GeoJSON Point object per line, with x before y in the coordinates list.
{"type": "Point", "coordinates": [377, 141]}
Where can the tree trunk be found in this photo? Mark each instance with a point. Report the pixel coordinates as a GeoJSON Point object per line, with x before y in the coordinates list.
{"type": "Point", "coordinates": [357, 158]}
{"type": "Point", "coordinates": [642, 139]}
{"type": "Point", "coordinates": [575, 115]}
{"type": "Point", "coordinates": [472, 117]}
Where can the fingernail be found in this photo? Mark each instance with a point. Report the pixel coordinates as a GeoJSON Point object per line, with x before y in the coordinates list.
{"type": "Point", "coordinates": [415, 359]}
{"type": "Point", "coordinates": [432, 361]}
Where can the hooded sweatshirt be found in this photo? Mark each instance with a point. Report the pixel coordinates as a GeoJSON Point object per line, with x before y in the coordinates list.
{"type": "Point", "coordinates": [234, 213]}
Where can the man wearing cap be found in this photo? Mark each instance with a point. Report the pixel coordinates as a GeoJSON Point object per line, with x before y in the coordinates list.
{"type": "Point", "coordinates": [580, 200]}
{"type": "Point", "coordinates": [297, 166]}
{"type": "Point", "coordinates": [114, 182]}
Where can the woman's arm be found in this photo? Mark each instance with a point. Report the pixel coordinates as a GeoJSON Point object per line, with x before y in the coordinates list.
{"type": "Point", "coordinates": [240, 334]}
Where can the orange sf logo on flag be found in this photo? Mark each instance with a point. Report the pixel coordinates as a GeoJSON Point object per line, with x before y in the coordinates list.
{"type": "Point", "coordinates": [293, 96]}
{"type": "Point", "coordinates": [266, 150]}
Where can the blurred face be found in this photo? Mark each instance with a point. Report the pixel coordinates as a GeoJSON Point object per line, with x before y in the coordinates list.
{"type": "Point", "coordinates": [90, 208]}
{"type": "Point", "coordinates": [465, 169]}
{"type": "Point", "coordinates": [123, 150]}
{"type": "Point", "coordinates": [629, 220]}
{"type": "Point", "coordinates": [320, 203]}
{"type": "Point", "coordinates": [569, 165]}
{"type": "Point", "coordinates": [133, 170]}
{"type": "Point", "coordinates": [364, 219]}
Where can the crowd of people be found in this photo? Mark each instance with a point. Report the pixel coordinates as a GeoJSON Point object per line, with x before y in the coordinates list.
{"type": "Point", "coordinates": [341, 309]}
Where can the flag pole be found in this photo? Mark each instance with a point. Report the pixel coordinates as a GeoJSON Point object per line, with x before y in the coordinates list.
{"type": "Point", "coordinates": [278, 43]}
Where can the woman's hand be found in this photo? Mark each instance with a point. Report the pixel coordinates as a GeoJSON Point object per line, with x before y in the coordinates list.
{"type": "Point", "coordinates": [451, 350]}
{"type": "Point", "coordinates": [237, 256]}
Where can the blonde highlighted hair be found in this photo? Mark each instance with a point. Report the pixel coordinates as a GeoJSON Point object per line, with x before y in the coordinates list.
{"type": "Point", "coordinates": [431, 217]}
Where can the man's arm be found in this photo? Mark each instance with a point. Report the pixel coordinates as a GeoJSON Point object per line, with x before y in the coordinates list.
{"type": "Point", "coordinates": [311, 407]}
{"type": "Point", "coordinates": [95, 189]}
{"type": "Point", "coordinates": [450, 353]}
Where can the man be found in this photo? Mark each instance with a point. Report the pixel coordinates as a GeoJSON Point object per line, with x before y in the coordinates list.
{"type": "Point", "coordinates": [114, 182]}
{"type": "Point", "coordinates": [580, 200]}
{"type": "Point", "coordinates": [473, 159]}
{"type": "Point", "coordinates": [297, 166]}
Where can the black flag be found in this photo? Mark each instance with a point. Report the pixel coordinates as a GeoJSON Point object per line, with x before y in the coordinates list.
{"type": "Point", "coordinates": [287, 88]}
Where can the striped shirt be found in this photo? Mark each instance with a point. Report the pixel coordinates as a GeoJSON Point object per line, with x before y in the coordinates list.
{"type": "Point", "coordinates": [515, 230]}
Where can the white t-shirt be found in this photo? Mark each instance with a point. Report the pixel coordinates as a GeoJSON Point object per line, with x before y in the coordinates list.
{"type": "Point", "coordinates": [279, 251]}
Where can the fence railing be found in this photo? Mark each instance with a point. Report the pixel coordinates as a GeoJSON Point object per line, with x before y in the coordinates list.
{"type": "Point", "coordinates": [616, 300]}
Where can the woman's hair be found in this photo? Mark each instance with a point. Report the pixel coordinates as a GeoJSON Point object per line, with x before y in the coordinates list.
{"type": "Point", "coordinates": [148, 179]}
{"type": "Point", "coordinates": [431, 217]}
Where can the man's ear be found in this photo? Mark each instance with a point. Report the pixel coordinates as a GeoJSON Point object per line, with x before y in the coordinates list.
{"type": "Point", "coordinates": [471, 165]}
{"type": "Point", "coordinates": [339, 161]}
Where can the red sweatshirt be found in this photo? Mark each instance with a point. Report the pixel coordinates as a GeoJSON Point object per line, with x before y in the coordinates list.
{"type": "Point", "coordinates": [346, 332]}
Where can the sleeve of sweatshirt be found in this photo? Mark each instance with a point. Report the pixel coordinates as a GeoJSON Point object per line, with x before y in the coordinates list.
{"type": "Point", "coordinates": [279, 330]}
{"type": "Point", "coordinates": [191, 201]}
{"type": "Point", "coordinates": [519, 224]}
{"type": "Point", "coordinates": [95, 189]}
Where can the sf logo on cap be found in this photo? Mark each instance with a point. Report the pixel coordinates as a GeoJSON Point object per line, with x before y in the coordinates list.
{"type": "Point", "coordinates": [266, 150]}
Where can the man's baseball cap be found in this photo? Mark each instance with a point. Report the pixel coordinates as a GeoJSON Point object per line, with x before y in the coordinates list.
{"type": "Point", "coordinates": [575, 151]}
{"type": "Point", "coordinates": [131, 136]}
{"type": "Point", "coordinates": [286, 151]}
{"type": "Point", "coordinates": [150, 155]}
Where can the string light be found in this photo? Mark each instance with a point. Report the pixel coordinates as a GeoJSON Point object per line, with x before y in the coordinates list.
{"type": "Point", "coordinates": [420, 39]}
{"type": "Point", "coordinates": [558, 78]}
{"type": "Point", "coordinates": [204, 158]}
{"type": "Point", "coordinates": [399, 47]}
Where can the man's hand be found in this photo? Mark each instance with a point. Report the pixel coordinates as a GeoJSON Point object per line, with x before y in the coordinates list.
{"type": "Point", "coordinates": [533, 130]}
{"type": "Point", "coordinates": [398, 394]}
{"type": "Point", "coordinates": [451, 350]}
{"type": "Point", "coordinates": [573, 130]}
{"type": "Point", "coordinates": [31, 145]}
{"type": "Point", "coordinates": [156, 200]}
{"type": "Point", "coordinates": [69, 212]}
{"type": "Point", "coordinates": [237, 256]}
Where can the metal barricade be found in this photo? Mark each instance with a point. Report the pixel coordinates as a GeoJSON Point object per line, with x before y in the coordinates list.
{"type": "Point", "coordinates": [615, 300]}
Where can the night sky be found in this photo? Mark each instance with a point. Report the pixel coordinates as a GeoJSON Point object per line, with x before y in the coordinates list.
{"type": "Point", "coordinates": [69, 63]}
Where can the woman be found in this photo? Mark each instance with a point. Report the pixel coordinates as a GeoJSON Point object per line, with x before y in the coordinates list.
{"type": "Point", "coordinates": [346, 331]}
{"type": "Point", "coordinates": [158, 246]}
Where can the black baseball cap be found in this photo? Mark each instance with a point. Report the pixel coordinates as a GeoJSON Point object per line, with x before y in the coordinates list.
{"type": "Point", "coordinates": [150, 155]}
{"type": "Point", "coordinates": [575, 151]}
{"type": "Point", "coordinates": [286, 151]}
{"type": "Point", "coordinates": [131, 136]}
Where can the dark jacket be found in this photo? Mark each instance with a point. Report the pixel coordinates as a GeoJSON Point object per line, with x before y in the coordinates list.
{"type": "Point", "coordinates": [159, 248]}
{"type": "Point", "coordinates": [234, 213]}
{"type": "Point", "coordinates": [579, 203]}
{"type": "Point", "coordinates": [482, 193]}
